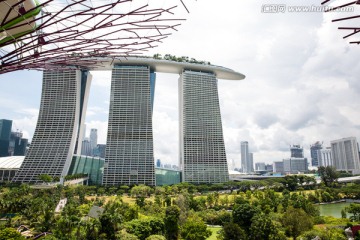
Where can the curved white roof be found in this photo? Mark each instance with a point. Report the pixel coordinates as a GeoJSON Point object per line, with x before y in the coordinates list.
{"type": "Point", "coordinates": [12, 162]}
{"type": "Point", "coordinates": [167, 66]}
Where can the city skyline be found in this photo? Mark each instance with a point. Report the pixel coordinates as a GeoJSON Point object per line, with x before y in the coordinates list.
{"type": "Point", "coordinates": [296, 91]}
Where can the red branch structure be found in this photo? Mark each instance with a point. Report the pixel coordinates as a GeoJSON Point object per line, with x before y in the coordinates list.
{"type": "Point", "coordinates": [354, 30]}
{"type": "Point", "coordinates": [77, 33]}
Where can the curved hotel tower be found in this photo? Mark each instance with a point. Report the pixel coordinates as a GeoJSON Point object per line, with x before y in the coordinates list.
{"type": "Point", "coordinates": [61, 117]}
{"type": "Point", "coordinates": [129, 157]}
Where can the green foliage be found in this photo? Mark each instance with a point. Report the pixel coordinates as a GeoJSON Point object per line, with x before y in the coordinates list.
{"type": "Point", "coordinates": [171, 221]}
{"type": "Point", "coordinates": [296, 221]}
{"type": "Point", "coordinates": [143, 228]}
{"type": "Point", "coordinates": [10, 234]}
{"type": "Point", "coordinates": [232, 231]}
{"type": "Point", "coordinates": [328, 175]}
{"type": "Point", "coordinates": [243, 213]}
{"type": "Point", "coordinates": [195, 229]}
{"type": "Point", "coordinates": [354, 209]}
{"type": "Point", "coordinates": [45, 178]}
{"type": "Point", "coordinates": [324, 234]}
{"type": "Point", "coordinates": [156, 237]}
{"type": "Point", "coordinates": [214, 217]}
{"type": "Point", "coordinates": [141, 191]}
{"type": "Point", "coordinates": [262, 227]}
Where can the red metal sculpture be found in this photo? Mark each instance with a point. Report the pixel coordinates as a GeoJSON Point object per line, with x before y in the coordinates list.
{"type": "Point", "coordinates": [354, 29]}
{"type": "Point", "coordinates": [57, 34]}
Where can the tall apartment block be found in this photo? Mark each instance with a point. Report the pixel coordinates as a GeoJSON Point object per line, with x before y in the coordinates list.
{"type": "Point", "coordinates": [129, 154]}
{"type": "Point", "coordinates": [345, 155]}
{"type": "Point", "coordinates": [202, 149]}
{"type": "Point", "coordinates": [60, 117]}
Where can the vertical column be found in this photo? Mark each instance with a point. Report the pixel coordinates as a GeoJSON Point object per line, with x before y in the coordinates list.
{"type": "Point", "coordinates": [56, 132]}
{"type": "Point", "coordinates": [202, 149]}
{"type": "Point", "coordinates": [129, 157]}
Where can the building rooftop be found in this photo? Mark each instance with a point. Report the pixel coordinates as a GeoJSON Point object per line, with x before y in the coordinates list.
{"type": "Point", "coordinates": [12, 162]}
{"type": "Point", "coordinates": [168, 66]}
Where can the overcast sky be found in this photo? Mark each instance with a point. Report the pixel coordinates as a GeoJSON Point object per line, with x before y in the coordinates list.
{"type": "Point", "coordinates": [302, 80]}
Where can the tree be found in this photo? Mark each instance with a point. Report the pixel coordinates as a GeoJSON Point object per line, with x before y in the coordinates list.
{"type": "Point", "coordinates": [354, 210]}
{"type": "Point", "coordinates": [232, 231]}
{"type": "Point", "coordinates": [243, 213]}
{"type": "Point", "coordinates": [141, 191]}
{"type": "Point", "coordinates": [328, 175]}
{"type": "Point", "coordinates": [45, 178]}
{"type": "Point", "coordinates": [296, 221]}
{"type": "Point", "coordinates": [262, 227]}
{"type": "Point", "coordinates": [143, 228]}
{"type": "Point", "coordinates": [291, 182]}
{"type": "Point", "coordinates": [171, 221]}
{"type": "Point", "coordinates": [156, 237]}
{"type": "Point", "coordinates": [10, 234]}
{"type": "Point", "coordinates": [195, 229]}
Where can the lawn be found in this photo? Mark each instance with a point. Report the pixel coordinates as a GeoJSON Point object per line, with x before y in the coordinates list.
{"type": "Point", "coordinates": [214, 231]}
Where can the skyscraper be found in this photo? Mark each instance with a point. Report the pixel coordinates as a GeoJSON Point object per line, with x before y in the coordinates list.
{"type": "Point", "coordinates": [86, 149]}
{"type": "Point", "coordinates": [57, 129]}
{"type": "Point", "coordinates": [129, 157]}
{"type": "Point", "coordinates": [345, 155]}
{"type": "Point", "coordinates": [5, 133]}
{"type": "Point", "coordinates": [251, 162]}
{"type": "Point", "coordinates": [93, 140]}
{"type": "Point", "coordinates": [314, 153]}
{"type": "Point", "coordinates": [202, 149]}
{"type": "Point", "coordinates": [296, 151]}
{"type": "Point", "coordinates": [246, 161]}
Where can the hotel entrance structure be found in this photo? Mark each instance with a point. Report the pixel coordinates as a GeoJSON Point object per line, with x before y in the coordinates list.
{"type": "Point", "coordinates": [129, 157]}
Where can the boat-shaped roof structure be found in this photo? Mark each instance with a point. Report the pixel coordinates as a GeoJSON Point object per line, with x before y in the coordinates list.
{"type": "Point", "coordinates": [169, 66]}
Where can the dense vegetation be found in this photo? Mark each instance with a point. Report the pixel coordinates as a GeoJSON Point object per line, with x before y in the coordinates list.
{"type": "Point", "coordinates": [272, 209]}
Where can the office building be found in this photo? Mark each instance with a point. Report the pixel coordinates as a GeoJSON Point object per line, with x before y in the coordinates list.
{"type": "Point", "coordinates": [314, 153]}
{"type": "Point", "coordinates": [129, 156]}
{"type": "Point", "coordinates": [11, 143]}
{"type": "Point", "coordinates": [202, 149]}
{"type": "Point", "coordinates": [158, 163]}
{"type": "Point", "coordinates": [324, 157]}
{"type": "Point", "coordinates": [93, 139]}
{"type": "Point", "coordinates": [86, 149]}
{"type": "Point", "coordinates": [345, 155]}
{"type": "Point", "coordinates": [17, 144]}
{"type": "Point", "coordinates": [269, 168]}
{"type": "Point", "coordinates": [278, 167]}
{"type": "Point", "coordinates": [101, 150]}
{"type": "Point", "coordinates": [296, 151]}
{"type": "Point", "coordinates": [260, 166]}
{"type": "Point", "coordinates": [5, 133]}
{"type": "Point", "coordinates": [59, 122]}
{"type": "Point", "coordinates": [247, 164]}
{"type": "Point", "coordinates": [251, 162]}
{"type": "Point", "coordinates": [295, 165]}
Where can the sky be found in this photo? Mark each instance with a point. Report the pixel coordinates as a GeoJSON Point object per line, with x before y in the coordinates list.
{"type": "Point", "coordinates": [302, 80]}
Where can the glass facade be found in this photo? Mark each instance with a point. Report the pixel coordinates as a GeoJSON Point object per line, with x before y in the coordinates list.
{"type": "Point", "coordinates": [92, 166]}
{"type": "Point", "coordinates": [167, 176]}
{"type": "Point", "coordinates": [5, 131]}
